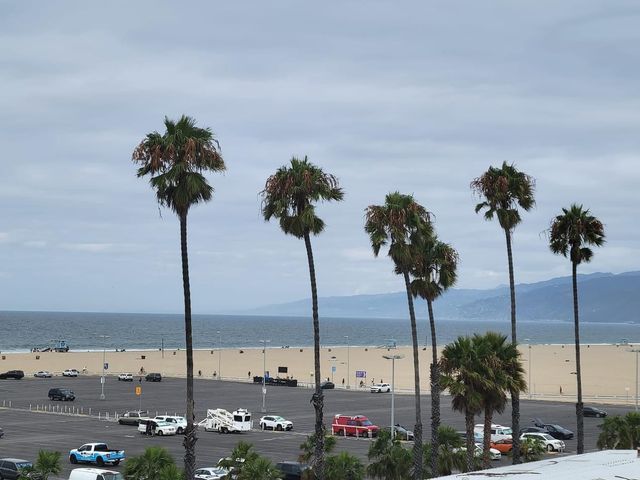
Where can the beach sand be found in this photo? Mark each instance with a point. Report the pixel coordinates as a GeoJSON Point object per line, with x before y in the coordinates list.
{"type": "Point", "coordinates": [609, 371]}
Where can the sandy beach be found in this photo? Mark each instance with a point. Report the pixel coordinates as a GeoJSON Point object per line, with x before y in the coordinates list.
{"type": "Point", "coordinates": [609, 371]}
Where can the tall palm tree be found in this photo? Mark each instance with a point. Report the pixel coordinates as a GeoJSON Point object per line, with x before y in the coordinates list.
{"type": "Point", "coordinates": [401, 223]}
{"type": "Point", "coordinates": [464, 376]}
{"type": "Point", "coordinates": [503, 370]}
{"type": "Point", "coordinates": [503, 191]}
{"type": "Point", "coordinates": [176, 161]}
{"type": "Point", "coordinates": [570, 235]}
{"type": "Point", "coordinates": [289, 195]}
{"type": "Point", "coordinates": [434, 272]}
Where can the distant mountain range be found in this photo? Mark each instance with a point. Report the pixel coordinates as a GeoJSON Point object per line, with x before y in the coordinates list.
{"type": "Point", "coordinates": [604, 297]}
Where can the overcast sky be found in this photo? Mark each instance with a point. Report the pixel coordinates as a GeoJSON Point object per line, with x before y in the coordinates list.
{"type": "Point", "coordinates": [419, 97]}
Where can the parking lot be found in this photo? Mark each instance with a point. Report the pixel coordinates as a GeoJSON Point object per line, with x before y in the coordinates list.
{"type": "Point", "coordinates": [27, 431]}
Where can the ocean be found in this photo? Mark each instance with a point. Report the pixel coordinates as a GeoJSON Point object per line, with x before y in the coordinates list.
{"type": "Point", "coordinates": [22, 331]}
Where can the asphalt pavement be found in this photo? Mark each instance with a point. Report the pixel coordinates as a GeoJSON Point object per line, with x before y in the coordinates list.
{"type": "Point", "coordinates": [28, 429]}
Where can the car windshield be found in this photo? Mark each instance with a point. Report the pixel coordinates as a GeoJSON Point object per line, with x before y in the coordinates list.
{"type": "Point", "coordinates": [546, 436]}
{"type": "Point", "coordinates": [20, 465]}
{"type": "Point", "coordinates": [366, 423]}
{"type": "Point", "coordinates": [112, 476]}
{"type": "Point", "coordinates": [278, 419]}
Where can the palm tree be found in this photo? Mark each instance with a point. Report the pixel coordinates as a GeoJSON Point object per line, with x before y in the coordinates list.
{"type": "Point", "coordinates": [503, 372]}
{"type": "Point", "coordinates": [464, 376]}
{"type": "Point", "coordinates": [149, 465]}
{"type": "Point", "coordinates": [344, 466]}
{"type": "Point", "coordinates": [401, 222]}
{"type": "Point", "coordinates": [241, 455]}
{"type": "Point", "coordinates": [389, 459]}
{"type": "Point", "coordinates": [308, 448]}
{"type": "Point", "coordinates": [176, 161]}
{"type": "Point", "coordinates": [622, 433]}
{"type": "Point", "coordinates": [570, 235]}
{"type": "Point", "coordinates": [47, 463]}
{"type": "Point", "coordinates": [503, 190]}
{"type": "Point", "coordinates": [289, 195]}
{"type": "Point", "coordinates": [434, 272]}
{"type": "Point", "coordinates": [532, 449]}
{"type": "Point", "coordinates": [451, 456]}
{"type": "Point", "coordinates": [259, 468]}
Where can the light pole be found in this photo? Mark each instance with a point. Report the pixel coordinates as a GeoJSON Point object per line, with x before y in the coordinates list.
{"type": "Point", "coordinates": [393, 359]}
{"type": "Point", "coordinates": [636, 351]}
{"type": "Point", "coordinates": [219, 354]}
{"type": "Point", "coordinates": [104, 364]}
{"type": "Point", "coordinates": [264, 374]}
{"type": "Point", "coordinates": [528, 340]}
{"type": "Point", "coordinates": [348, 366]}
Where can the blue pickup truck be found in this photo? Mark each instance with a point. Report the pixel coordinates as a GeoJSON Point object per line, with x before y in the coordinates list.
{"type": "Point", "coordinates": [97, 453]}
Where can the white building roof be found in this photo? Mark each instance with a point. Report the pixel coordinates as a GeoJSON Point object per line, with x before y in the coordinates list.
{"type": "Point", "coordinates": [603, 465]}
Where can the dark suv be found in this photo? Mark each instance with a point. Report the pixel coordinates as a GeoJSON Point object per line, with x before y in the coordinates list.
{"type": "Point", "coordinates": [10, 467]}
{"type": "Point", "coordinates": [61, 394]}
{"type": "Point", "coordinates": [292, 470]}
{"type": "Point", "coordinates": [15, 374]}
{"type": "Point", "coordinates": [153, 377]}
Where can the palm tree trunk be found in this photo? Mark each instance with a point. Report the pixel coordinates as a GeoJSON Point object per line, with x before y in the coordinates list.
{"type": "Point", "coordinates": [468, 423]}
{"type": "Point", "coordinates": [579, 405]}
{"type": "Point", "coordinates": [515, 394]}
{"type": "Point", "coordinates": [190, 437]}
{"type": "Point", "coordinates": [486, 438]}
{"type": "Point", "coordinates": [417, 430]}
{"type": "Point", "coordinates": [435, 390]}
{"type": "Point", "coordinates": [318, 398]}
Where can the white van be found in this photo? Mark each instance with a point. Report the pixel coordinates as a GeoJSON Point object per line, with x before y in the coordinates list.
{"type": "Point", "coordinates": [94, 474]}
{"type": "Point", "coordinates": [498, 432]}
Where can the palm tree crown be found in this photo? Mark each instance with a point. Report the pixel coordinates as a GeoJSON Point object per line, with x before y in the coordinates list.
{"type": "Point", "coordinates": [289, 195]}
{"type": "Point", "coordinates": [434, 270]}
{"type": "Point", "coordinates": [176, 161]}
{"type": "Point", "coordinates": [573, 229]}
{"type": "Point", "coordinates": [503, 190]}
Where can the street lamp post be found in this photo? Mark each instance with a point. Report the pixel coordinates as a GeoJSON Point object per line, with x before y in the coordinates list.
{"type": "Point", "coordinates": [393, 359]}
{"type": "Point", "coordinates": [264, 374]}
{"type": "Point", "coordinates": [348, 366]}
{"type": "Point", "coordinates": [104, 364]}
{"type": "Point", "coordinates": [219, 354]}
{"type": "Point", "coordinates": [528, 340]}
{"type": "Point", "coordinates": [636, 351]}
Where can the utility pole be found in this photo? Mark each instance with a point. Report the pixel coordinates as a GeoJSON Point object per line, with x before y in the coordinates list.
{"type": "Point", "coordinates": [104, 364]}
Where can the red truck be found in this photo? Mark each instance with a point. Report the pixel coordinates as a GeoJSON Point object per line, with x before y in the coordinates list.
{"type": "Point", "coordinates": [358, 426]}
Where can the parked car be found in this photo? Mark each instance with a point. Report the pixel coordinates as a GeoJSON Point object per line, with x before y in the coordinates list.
{"type": "Point", "coordinates": [357, 425]}
{"type": "Point", "coordinates": [70, 372]}
{"type": "Point", "coordinates": [292, 470]}
{"type": "Point", "coordinates": [275, 422]}
{"type": "Point", "coordinates": [179, 422]}
{"type": "Point", "coordinates": [153, 377]}
{"type": "Point", "coordinates": [10, 468]}
{"type": "Point", "coordinates": [532, 430]}
{"type": "Point", "coordinates": [211, 473]}
{"type": "Point", "coordinates": [503, 446]}
{"type": "Point", "coordinates": [593, 412]}
{"type": "Point", "coordinates": [63, 394]}
{"type": "Point", "coordinates": [133, 417]}
{"type": "Point", "coordinates": [98, 453]}
{"type": "Point", "coordinates": [154, 427]}
{"type": "Point", "coordinates": [380, 387]}
{"type": "Point", "coordinates": [94, 474]}
{"type": "Point", "coordinates": [550, 443]}
{"type": "Point", "coordinates": [478, 451]}
{"type": "Point", "coordinates": [327, 385]}
{"type": "Point", "coordinates": [403, 433]}
{"type": "Point", "coordinates": [1, 432]}
{"type": "Point", "coordinates": [14, 374]}
{"type": "Point", "coordinates": [498, 432]}
{"type": "Point", "coordinates": [555, 430]}
{"type": "Point", "coordinates": [43, 374]}
{"type": "Point", "coordinates": [125, 377]}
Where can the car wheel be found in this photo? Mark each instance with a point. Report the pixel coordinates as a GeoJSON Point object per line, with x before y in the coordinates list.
{"type": "Point", "coordinates": [341, 433]}
{"type": "Point", "coordinates": [262, 426]}
{"type": "Point", "coordinates": [549, 448]}
{"type": "Point", "coordinates": [73, 459]}
{"type": "Point", "coordinates": [224, 430]}
{"type": "Point", "coordinates": [279, 428]}
{"type": "Point", "coordinates": [50, 397]}
{"type": "Point", "coordinates": [116, 462]}
{"type": "Point", "coordinates": [180, 430]}
{"type": "Point", "coordinates": [100, 461]}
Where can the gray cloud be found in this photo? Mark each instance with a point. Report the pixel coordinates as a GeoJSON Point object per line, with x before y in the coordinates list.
{"type": "Point", "coordinates": [419, 98]}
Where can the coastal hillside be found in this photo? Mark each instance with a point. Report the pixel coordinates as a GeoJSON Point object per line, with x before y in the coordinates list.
{"type": "Point", "coordinates": [604, 297]}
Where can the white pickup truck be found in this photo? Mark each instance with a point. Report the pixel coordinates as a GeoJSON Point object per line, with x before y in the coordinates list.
{"type": "Point", "coordinates": [98, 453]}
